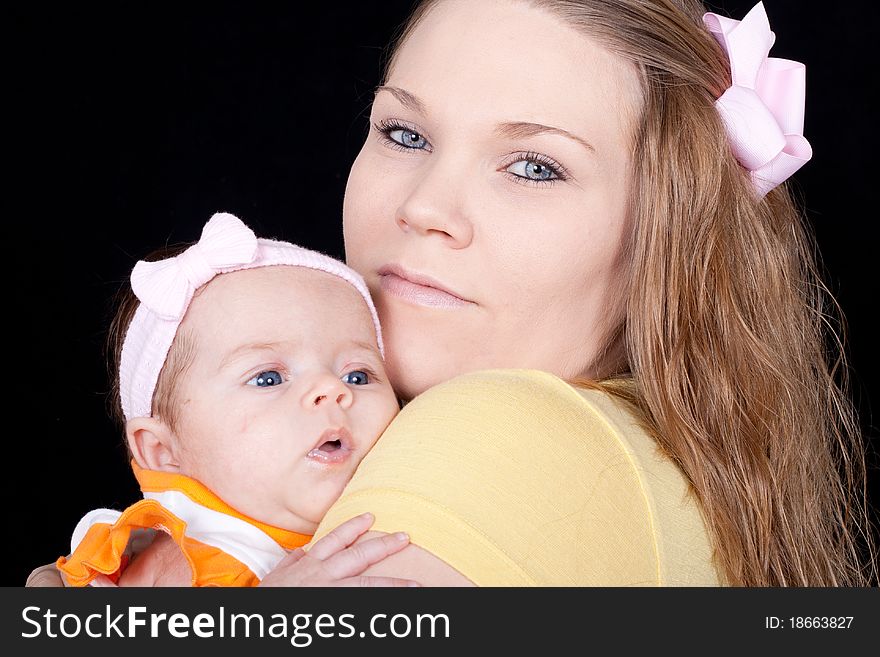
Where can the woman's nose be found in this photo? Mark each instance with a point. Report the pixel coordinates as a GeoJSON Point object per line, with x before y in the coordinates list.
{"type": "Point", "coordinates": [327, 390]}
{"type": "Point", "coordinates": [435, 207]}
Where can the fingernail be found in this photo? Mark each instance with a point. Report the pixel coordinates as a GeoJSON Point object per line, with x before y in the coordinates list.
{"type": "Point", "coordinates": [367, 515]}
{"type": "Point", "coordinates": [401, 536]}
{"type": "Point", "coordinates": [412, 584]}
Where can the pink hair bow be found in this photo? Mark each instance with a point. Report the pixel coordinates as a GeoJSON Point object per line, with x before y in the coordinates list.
{"type": "Point", "coordinates": [763, 110]}
{"type": "Point", "coordinates": [166, 286]}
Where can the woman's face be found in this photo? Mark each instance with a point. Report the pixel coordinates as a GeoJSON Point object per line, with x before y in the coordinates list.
{"type": "Point", "coordinates": [497, 167]}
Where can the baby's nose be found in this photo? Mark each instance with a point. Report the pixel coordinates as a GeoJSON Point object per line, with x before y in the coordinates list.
{"type": "Point", "coordinates": [328, 390]}
{"type": "Point", "coordinates": [321, 398]}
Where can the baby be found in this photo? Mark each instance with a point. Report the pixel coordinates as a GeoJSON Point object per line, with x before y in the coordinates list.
{"type": "Point", "coordinates": [252, 384]}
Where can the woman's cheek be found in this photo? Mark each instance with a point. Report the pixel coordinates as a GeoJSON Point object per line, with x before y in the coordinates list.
{"type": "Point", "coordinates": [365, 206]}
{"type": "Point", "coordinates": [354, 219]}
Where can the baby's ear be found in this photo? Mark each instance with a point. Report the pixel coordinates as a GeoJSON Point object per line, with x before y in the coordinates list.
{"type": "Point", "coordinates": [153, 444]}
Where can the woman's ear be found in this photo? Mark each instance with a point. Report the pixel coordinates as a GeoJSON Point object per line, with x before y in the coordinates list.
{"type": "Point", "coordinates": [153, 444]}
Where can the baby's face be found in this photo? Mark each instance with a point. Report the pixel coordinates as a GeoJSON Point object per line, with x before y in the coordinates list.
{"type": "Point", "coordinates": [285, 395]}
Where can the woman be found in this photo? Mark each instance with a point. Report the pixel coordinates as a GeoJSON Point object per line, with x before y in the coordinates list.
{"type": "Point", "coordinates": [699, 292]}
{"type": "Point", "coordinates": [549, 185]}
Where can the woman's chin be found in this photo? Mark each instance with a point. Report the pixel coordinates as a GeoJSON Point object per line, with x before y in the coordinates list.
{"type": "Point", "coordinates": [413, 368]}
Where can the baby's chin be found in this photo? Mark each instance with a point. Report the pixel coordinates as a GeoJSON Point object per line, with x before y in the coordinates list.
{"type": "Point", "coordinates": [290, 521]}
{"type": "Point", "coordinates": [305, 519]}
{"type": "Point", "coordinates": [281, 514]}
{"type": "Point", "coordinates": [302, 506]}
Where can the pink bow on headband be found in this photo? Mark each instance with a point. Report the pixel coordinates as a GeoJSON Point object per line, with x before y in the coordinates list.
{"type": "Point", "coordinates": [763, 110]}
{"type": "Point", "coordinates": [166, 286]}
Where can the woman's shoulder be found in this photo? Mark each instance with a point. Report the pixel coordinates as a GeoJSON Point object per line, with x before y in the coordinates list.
{"type": "Point", "coordinates": [554, 448]}
{"type": "Point", "coordinates": [533, 400]}
{"type": "Point", "coordinates": [502, 388]}
{"type": "Point", "coordinates": [513, 380]}
{"type": "Point", "coordinates": [528, 387]}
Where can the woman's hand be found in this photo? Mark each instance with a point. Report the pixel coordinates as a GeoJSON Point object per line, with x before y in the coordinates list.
{"type": "Point", "coordinates": [44, 576]}
{"type": "Point", "coordinates": [334, 561]}
{"type": "Point", "coordinates": [160, 564]}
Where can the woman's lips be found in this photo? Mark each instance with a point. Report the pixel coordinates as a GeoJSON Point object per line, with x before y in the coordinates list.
{"type": "Point", "coordinates": [417, 289]}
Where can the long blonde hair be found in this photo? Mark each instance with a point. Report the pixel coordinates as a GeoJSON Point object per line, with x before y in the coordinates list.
{"type": "Point", "coordinates": [733, 362]}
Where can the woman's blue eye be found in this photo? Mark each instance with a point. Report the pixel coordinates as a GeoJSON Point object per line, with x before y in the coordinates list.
{"type": "Point", "coordinates": [533, 170]}
{"type": "Point", "coordinates": [401, 136]}
{"type": "Point", "coordinates": [266, 379]}
{"type": "Point", "coordinates": [408, 138]}
{"type": "Point", "coordinates": [357, 378]}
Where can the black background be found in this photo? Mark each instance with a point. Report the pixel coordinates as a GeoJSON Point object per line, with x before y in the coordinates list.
{"type": "Point", "coordinates": [127, 126]}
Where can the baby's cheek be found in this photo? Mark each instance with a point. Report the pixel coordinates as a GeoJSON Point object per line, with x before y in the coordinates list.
{"type": "Point", "coordinates": [228, 482]}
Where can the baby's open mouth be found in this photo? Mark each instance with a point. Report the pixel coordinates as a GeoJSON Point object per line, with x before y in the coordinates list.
{"type": "Point", "coordinates": [334, 446]}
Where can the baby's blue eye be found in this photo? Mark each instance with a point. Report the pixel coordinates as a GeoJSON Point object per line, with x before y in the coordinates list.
{"type": "Point", "coordinates": [357, 377]}
{"type": "Point", "coordinates": [266, 379]}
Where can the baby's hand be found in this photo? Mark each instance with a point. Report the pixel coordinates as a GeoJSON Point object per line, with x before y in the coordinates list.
{"type": "Point", "coordinates": [334, 561]}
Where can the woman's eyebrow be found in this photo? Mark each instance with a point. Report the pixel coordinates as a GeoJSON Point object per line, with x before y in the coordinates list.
{"type": "Point", "coordinates": [522, 129]}
{"type": "Point", "coordinates": [405, 98]}
{"type": "Point", "coordinates": [508, 129]}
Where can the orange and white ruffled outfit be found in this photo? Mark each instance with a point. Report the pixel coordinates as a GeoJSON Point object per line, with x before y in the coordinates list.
{"type": "Point", "coordinates": [223, 547]}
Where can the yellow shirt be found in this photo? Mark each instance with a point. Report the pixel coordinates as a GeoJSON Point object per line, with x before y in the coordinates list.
{"type": "Point", "coordinates": [516, 478]}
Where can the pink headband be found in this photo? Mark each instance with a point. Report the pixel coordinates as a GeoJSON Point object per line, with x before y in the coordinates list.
{"type": "Point", "coordinates": [166, 287]}
{"type": "Point", "coordinates": [763, 110]}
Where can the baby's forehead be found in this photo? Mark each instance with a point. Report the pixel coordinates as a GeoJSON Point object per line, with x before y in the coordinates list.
{"type": "Point", "coordinates": [270, 303]}
{"type": "Point", "coordinates": [285, 283]}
